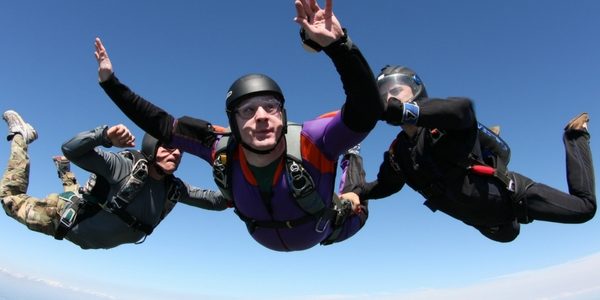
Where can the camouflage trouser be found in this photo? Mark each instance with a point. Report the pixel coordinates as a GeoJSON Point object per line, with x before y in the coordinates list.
{"type": "Point", "coordinates": [37, 214]}
{"type": "Point", "coordinates": [68, 180]}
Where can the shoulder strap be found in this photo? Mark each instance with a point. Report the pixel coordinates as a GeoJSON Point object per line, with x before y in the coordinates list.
{"type": "Point", "coordinates": [222, 167]}
{"type": "Point", "coordinates": [301, 183]}
{"type": "Point", "coordinates": [174, 189]}
{"type": "Point", "coordinates": [292, 140]}
{"type": "Point", "coordinates": [134, 183]}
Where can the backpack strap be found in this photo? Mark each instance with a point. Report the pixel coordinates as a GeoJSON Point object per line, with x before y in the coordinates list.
{"type": "Point", "coordinates": [222, 166]}
{"type": "Point", "coordinates": [301, 183]}
{"type": "Point", "coordinates": [134, 182]}
{"type": "Point", "coordinates": [174, 188]}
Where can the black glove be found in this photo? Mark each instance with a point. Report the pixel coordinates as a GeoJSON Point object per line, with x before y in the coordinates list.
{"type": "Point", "coordinates": [394, 112]}
{"type": "Point", "coordinates": [398, 113]}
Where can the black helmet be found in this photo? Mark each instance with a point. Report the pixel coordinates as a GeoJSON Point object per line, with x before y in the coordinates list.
{"type": "Point", "coordinates": [248, 85]}
{"type": "Point", "coordinates": [244, 87]}
{"type": "Point", "coordinates": [149, 146]}
{"type": "Point", "coordinates": [403, 75]}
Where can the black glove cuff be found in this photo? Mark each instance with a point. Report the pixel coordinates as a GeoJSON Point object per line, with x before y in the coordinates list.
{"type": "Point", "coordinates": [344, 43]}
{"type": "Point", "coordinates": [309, 44]}
{"type": "Point", "coordinates": [106, 142]}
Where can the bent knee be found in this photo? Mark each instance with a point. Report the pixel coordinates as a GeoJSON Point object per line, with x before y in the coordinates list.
{"type": "Point", "coordinates": [590, 213]}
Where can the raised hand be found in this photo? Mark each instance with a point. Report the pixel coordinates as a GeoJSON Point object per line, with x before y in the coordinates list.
{"type": "Point", "coordinates": [120, 136]}
{"type": "Point", "coordinates": [320, 25]}
{"type": "Point", "coordinates": [105, 68]}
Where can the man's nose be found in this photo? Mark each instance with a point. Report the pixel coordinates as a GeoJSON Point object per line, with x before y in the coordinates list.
{"type": "Point", "coordinates": [261, 113]}
{"type": "Point", "coordinates": [176, 152]}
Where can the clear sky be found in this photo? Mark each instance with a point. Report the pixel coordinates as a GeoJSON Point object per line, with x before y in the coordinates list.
{"type": "Point", "coordinates": [528, 65]}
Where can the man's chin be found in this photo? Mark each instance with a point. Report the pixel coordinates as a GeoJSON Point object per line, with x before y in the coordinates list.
{"type": "Point", "coordinates": [169, 168]}
{"type": "Point", "coordinates": [264, 145]}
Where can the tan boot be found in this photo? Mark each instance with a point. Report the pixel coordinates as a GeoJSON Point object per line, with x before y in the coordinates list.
{"type": "Point", "coordinates": [578, 123]}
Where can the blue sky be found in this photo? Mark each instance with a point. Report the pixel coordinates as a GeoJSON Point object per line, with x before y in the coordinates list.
{"type": "Point", "coordinates": [529, 66]}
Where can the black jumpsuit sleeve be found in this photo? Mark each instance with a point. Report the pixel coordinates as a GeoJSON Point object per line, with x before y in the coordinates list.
{"type": "Point", "coordinates": [388, 182]}
{"type": "Point", "coordinates": [363, 106]}
{"type": "Point", "coordinates": [449, 114]}
{"type": "Point", "coordinates": [151, 118]}
{"type": "Point", "coordinates": [154, 120]}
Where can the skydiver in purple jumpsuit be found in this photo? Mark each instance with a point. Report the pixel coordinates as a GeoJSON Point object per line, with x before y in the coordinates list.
{"type": "Point", "coordinates": [257, 118]}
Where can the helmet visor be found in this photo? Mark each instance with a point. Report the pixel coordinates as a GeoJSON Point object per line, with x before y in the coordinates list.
{"type": "Point", "coordinates": [390, 84]}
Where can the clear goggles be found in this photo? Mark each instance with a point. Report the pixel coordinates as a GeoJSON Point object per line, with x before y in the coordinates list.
{"type": "Point", "coordinates": [269, 103]}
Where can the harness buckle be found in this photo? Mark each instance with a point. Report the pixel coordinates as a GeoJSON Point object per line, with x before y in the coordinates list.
{"type": "Point", "coordinates": [219, 174]}
{"type": "Point", "coordinates": [68, 217]}
{"type": "Point", "coordinates": [140, 170]}
{"type": "Point", "coordinates": [511, 186]}
{"type": "Point", "coordinates": [300, 181]}
{"type": "Point", "coordinates": [343, 210]}
{"type": "Point", "coordinates": [134, 184]}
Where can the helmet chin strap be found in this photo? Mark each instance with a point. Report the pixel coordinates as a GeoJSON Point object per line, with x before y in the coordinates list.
{"type": "Point", "coordinates": [262, 152]}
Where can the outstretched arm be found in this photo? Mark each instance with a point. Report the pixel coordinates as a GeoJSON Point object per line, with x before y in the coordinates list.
{"type": "Point", "coordinates": [389, 181]}
{"type": "Point", "coordinates": [447, 114]}
{"type": "Point", "coordinates": [203, 198]}
{"type": "Point", "coordinates": [363, 106]}
{"type": "Point", "coordinates": [151, 118]}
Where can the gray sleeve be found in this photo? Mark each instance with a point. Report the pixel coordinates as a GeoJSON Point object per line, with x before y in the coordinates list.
{"type": "Point", "coordinates": [203, 198]}
{"type": "Point", "coordinates": [83, 150]}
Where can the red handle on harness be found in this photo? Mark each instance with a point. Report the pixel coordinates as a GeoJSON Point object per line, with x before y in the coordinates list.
{"type": "Point", "coordinates": [482, 170]}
